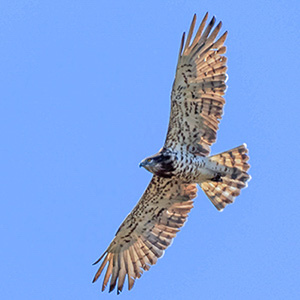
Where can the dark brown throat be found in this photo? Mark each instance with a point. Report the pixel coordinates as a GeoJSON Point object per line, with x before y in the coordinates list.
{"type": "Point", "coordinates": [164, 166]}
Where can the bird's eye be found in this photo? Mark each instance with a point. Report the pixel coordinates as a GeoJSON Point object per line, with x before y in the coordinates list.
{"type": "Point", "coordinates": [149, 160]}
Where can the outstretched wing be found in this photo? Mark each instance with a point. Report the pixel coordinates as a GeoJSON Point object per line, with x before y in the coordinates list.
{"type": "Point", "coordinates": [197, 94]}
{"type": "Point", "coordinates": [146, 232]}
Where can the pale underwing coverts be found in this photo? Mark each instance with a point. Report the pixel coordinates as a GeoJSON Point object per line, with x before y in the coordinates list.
{"type": "Point", "coordinates": [183, 162]}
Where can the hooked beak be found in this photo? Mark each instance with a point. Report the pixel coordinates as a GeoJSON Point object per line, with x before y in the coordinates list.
{"type": "Point", "coordinates": [146, 163]}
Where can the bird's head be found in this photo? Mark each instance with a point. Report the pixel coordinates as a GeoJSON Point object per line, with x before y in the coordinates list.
{"type": "Point", "coordinates": [148, 163]}
{"type": "Point", "coordinates": [160, 164]}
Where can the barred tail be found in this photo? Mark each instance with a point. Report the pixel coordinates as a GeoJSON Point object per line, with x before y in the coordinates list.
{"type": "Point", "coordinates": [223, 191]}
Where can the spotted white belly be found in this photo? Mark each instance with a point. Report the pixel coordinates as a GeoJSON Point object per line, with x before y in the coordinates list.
{"type": "Point", "coordinates": [196, 169]}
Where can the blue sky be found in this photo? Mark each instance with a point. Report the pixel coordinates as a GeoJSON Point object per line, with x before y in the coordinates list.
{"type": "Point", "coordinates": [85, 89]}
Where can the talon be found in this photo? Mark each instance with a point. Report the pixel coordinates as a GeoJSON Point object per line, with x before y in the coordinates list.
{"type": "Point", "coordinates": [217, 178]}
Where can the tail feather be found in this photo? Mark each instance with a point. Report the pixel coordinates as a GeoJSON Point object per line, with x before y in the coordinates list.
{"type": "Point", "coordinates": [224, 192]}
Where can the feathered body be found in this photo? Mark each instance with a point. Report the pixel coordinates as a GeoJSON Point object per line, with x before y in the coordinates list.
{"type": "Point", "coordinates": [183, 162]}
{"type": "Point", "coordinates": [185, 166]}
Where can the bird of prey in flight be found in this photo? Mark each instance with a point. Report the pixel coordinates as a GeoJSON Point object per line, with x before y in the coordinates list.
{"type": "Point", "coordinates": [182, 163]}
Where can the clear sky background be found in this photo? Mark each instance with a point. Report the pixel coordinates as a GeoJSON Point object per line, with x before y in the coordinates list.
{"type": "Point", "coordinates": [85, 89]}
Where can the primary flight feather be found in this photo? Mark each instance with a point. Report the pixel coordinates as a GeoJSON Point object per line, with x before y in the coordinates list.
{"type": "Point", "coordinates": [183, 162]}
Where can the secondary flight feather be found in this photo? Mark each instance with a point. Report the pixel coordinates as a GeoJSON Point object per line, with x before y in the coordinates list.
{"type": "Point", "coordinates": [182, 163]}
